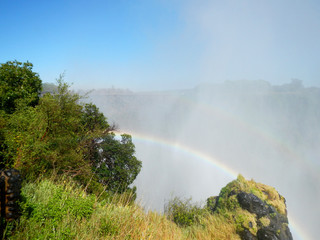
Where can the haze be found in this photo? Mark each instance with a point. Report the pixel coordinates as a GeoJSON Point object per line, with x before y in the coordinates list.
{"type": "Point", "coordinates": [236, 81]}
{"type": "Point", "coordinates": [266, 132]}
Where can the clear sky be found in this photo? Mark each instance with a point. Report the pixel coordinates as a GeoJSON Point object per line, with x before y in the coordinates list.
{"type": "Point", "coordinates": [163, 44]}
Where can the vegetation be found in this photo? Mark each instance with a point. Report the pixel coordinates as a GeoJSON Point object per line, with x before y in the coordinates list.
{"type": "Point", "coordinates": [183, 212]}
{"type": "Point", "coordinates": [262, 191]}
{"type": "Point", "coordinates": [78, 175]}
{"type": "Point", "coordinates": [228, 206]}
{"type": "Point", "coordinates": [59, 208]}
{"type": "Point", "coordinates": [18, 85]}
{"type": "Point", "coordinates": [57, 134]}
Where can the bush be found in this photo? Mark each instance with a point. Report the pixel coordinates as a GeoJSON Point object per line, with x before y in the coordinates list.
{"type": "Point", "coordinates": [50, 201]}
{"type": "Point", "coordinates": [183, 212]}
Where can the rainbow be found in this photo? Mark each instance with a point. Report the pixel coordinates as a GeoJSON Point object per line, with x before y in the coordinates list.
{"type": "Point", "coordinates": [184, 149]}
{"type": "Point", "coordinates": [267, 136]}
{"type": "Point", "coordinates": [297, 231]}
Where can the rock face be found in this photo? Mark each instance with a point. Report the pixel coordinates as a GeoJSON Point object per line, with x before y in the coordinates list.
{"type": "Point", "coordinates": [258, 211]}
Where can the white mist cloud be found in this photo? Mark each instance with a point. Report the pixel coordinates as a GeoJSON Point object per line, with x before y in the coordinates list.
{"type": "Point", "coordinates": [270, 40]}
{"type": "Point", "coordinates": [251, 127]}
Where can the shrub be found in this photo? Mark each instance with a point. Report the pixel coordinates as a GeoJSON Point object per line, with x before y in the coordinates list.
{"type": "Point", "coordinates": [183, 212]}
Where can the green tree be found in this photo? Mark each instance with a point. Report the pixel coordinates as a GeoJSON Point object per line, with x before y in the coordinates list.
{"type": "Point", "coordinates": [113, 160]}
{"type": "Point", "coordinates": [96, 126]}
{"type": "Point", "coordinates": [18, 85]}
{"type": "Point", "coordinates": [93, 119]}
{"type": "Point", "coordinates": [64, 136]}
{"type": "Point", "coordinates": [117, 167]}
{"type": "Point", "coordinates": [58, 133]}
{"type": "Point", "coordinates": [47, 137]}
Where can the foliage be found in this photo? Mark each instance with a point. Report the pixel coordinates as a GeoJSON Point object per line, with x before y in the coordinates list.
{"type": "Point", "coordinates": [92, 119]}
{"type": "Point", "coordinates": [58, 133]}
{"type": "Point", "coordinates": [3, 147]}
{"type": "Point", "coordinates": [183, 212]}
{"type": "Point", "coordinates": [54, 201]}
{"type": "Point", "coordinates": [18, 85]}
{"type": "Point", "coordinates": [45, 138]}
{"type": "Point", "coordinates": [112, 160]}
{"type": "Point", "coordinates": [58, 208]}
{"type": "Point", "coordinates": [96, 126]}
{"type": "Point", "coordinates": [262, 191]}
{"type": "Point", "coordinates": [61, 209]}
{"type": "Point", "coordinates": [117, 167]}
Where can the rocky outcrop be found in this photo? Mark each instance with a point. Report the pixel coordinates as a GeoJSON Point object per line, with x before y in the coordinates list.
{"type": "Point", "coordinates": [258, 211]}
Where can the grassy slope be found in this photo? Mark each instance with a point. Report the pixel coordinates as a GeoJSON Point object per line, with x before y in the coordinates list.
{"type": "Point", "coordinates": [62, 210]}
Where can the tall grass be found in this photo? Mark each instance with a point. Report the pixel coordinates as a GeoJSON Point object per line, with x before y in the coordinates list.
{"type": "Point", "coordinates": [62, 210]}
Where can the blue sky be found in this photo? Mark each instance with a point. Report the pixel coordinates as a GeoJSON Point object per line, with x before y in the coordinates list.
{"type": "Point", "coordinates": [163, 44]}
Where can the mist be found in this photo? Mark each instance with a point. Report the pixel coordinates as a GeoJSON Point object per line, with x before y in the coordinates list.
{"type": "Point", "coordinates": [195, 139]}
{"type": "Point", "coordinates": [265, 132]}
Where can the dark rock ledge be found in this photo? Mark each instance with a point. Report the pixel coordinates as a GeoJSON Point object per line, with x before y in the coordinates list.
{"type": "Point", "coordinates": [258, 210]}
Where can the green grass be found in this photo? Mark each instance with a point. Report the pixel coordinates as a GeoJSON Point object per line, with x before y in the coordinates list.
{"type": "Point", "coordinates": [61, 209]}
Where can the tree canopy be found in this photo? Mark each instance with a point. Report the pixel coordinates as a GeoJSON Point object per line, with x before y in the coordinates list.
{"type": "Point", "coordinates": [57, 133]}
{"type": "Point", "coordinates": [18, 85]}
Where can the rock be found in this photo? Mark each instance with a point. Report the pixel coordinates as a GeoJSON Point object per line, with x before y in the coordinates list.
{"type": "Point", "coordinates": [246, 234]}
{"type": "Point", "coordinates": [258, 211]}
{"type": "Point", "coordinates": [252, 203]}
{"type": "Point", "coordinates": [266, 234]}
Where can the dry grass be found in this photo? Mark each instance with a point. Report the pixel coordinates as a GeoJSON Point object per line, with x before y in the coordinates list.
{"type": "Point", "coordinates": [48, 217]}
{"type": "Point", "coordinates": [213, 227]}
{"type": "Point", "coordinates": [264, 192]}
{"type": "Point", "coordinates": [271, 196]}
{"type": "Point", "coordinates": [62, 210]}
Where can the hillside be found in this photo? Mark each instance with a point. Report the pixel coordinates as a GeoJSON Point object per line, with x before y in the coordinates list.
{"type": "Point", "coordinates": [58, 208]}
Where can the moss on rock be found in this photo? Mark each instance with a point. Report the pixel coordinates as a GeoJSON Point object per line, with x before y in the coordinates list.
{"type": "Point", "coordinates": [265, 221]}
{"type": "Point", "coordinates": [256, 209]}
